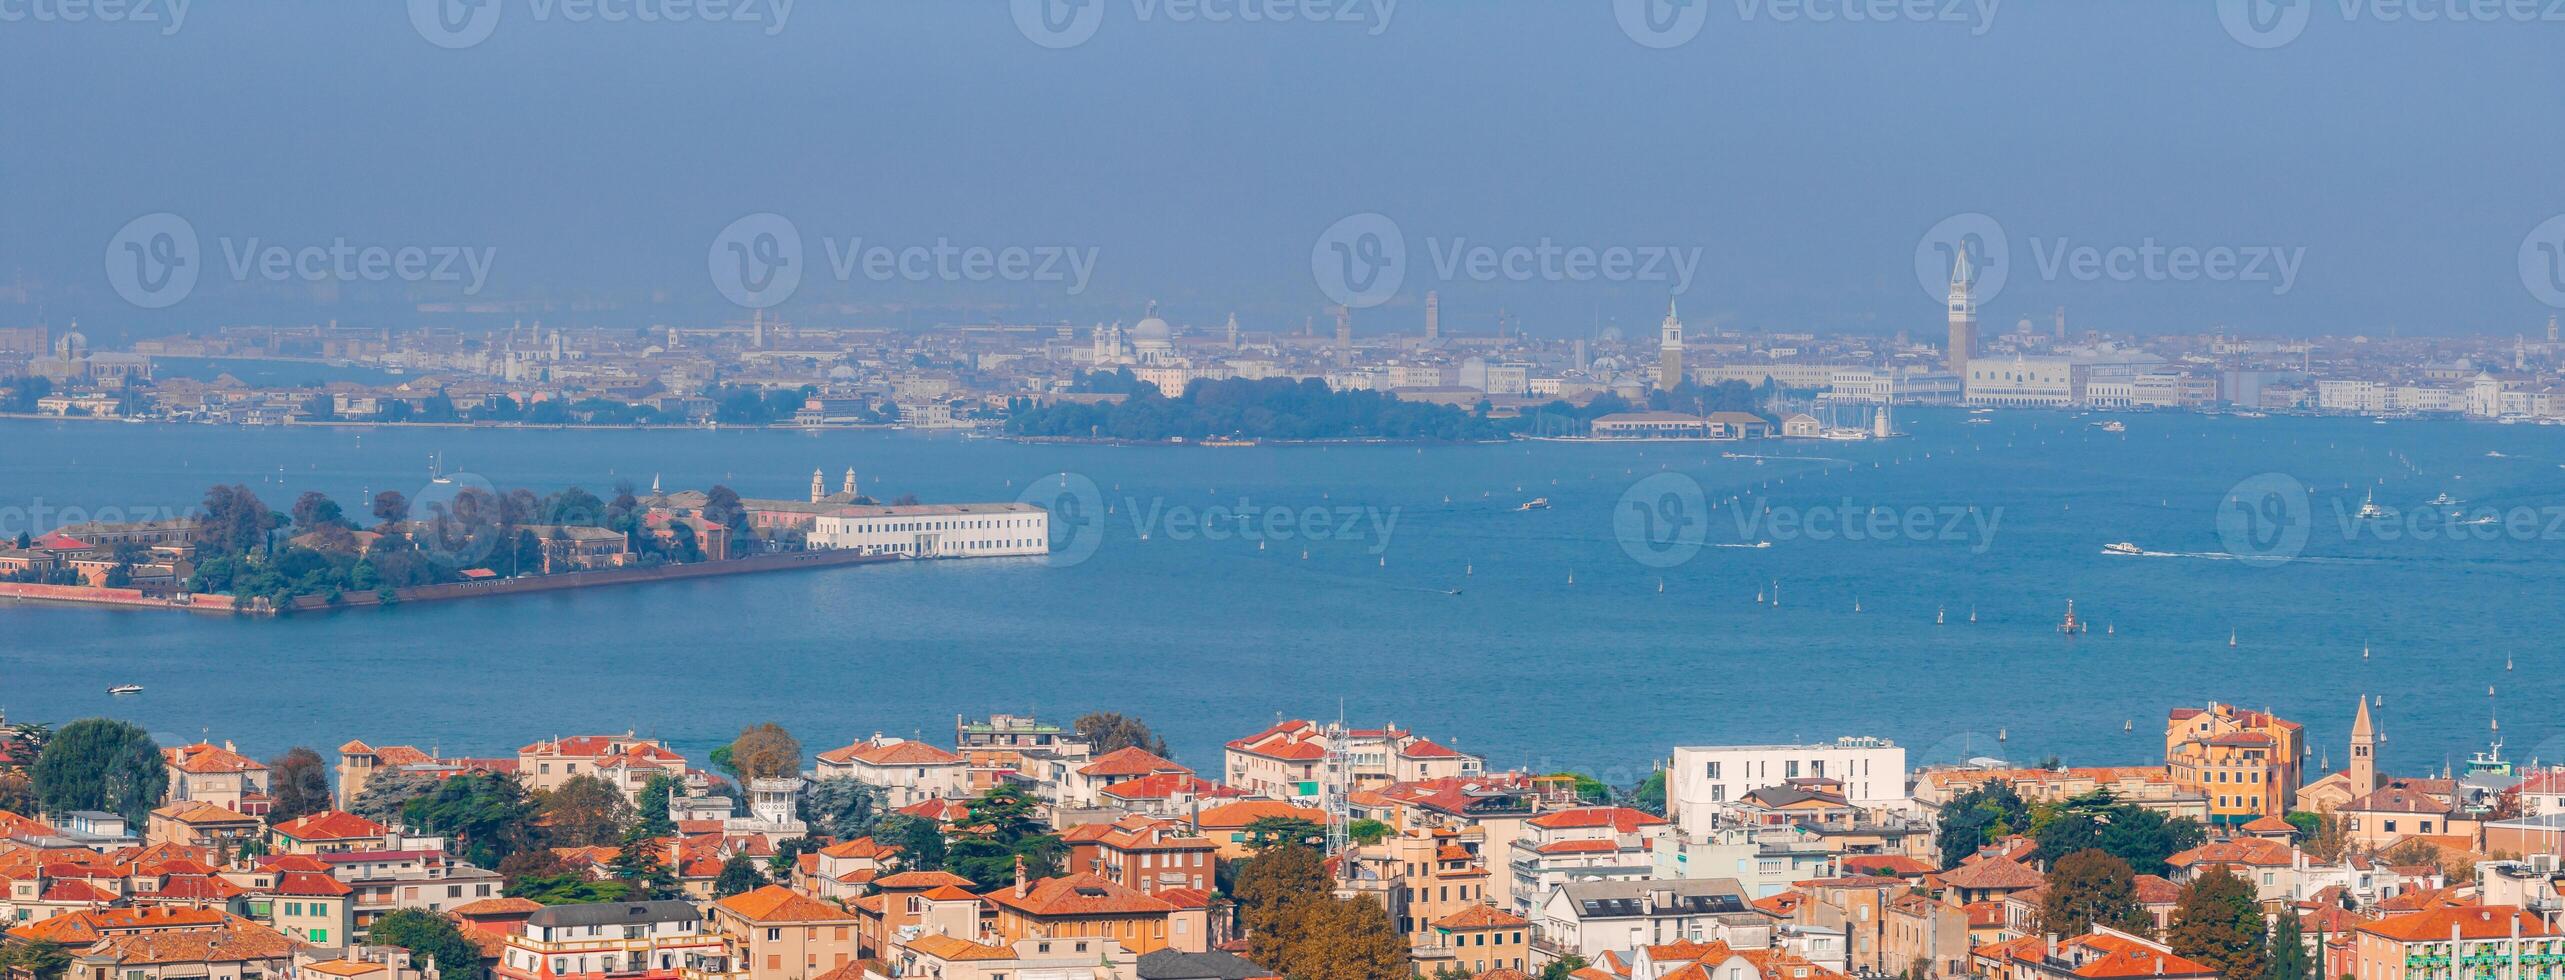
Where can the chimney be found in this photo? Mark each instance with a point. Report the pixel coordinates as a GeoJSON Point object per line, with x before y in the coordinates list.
{"type": "Point", "coordinates": [1022, 887]}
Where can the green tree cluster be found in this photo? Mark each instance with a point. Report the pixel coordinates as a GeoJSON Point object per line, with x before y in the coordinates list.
{"type": "Point", "coordinates": [101, 764]}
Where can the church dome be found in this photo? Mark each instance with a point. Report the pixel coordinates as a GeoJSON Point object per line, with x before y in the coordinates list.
{"type": "Point", "coordinates": [1152, 328]}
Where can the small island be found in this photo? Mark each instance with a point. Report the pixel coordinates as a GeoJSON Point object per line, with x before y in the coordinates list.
{"type": "Point", "coordinates": [1117, 406]}
{"type": "Point", "coordinates": [462, 539]}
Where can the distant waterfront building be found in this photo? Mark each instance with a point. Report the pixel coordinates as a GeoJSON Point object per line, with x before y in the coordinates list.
{"type": "Point", "coordinates": [1677, 425]}
{"type": "Point", "coordinates": [2024, 382]}
{"type": "Point", "coordinates": [1963, 315]}
{"type": "Point", "coordinates": [2246, 762]}
{"type": "Point", "coordinates": [937, 530]}
{"type": "Point", "coordinates": [1707, 780]}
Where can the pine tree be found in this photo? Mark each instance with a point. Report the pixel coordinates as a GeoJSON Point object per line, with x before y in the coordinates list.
{"type": "Point", "coordinates": [2219, 924]}
{"type": "Point", "coordinates": [1344, 939]}
{"type": "Point", "coordinates": [2089, 888]}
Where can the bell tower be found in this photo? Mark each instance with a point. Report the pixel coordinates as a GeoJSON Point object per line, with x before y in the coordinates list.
{"type": "Point", "coordinates": [1963, 313]}
{"type": "Point", "coordinates": [2364, 748]}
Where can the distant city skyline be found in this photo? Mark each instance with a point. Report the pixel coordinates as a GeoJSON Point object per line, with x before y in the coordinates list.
{"type": "Point", "coordinates": [1768, 171]}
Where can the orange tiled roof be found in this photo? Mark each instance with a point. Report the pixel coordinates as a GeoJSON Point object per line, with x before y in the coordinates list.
{"type": "Point", "coordinates": [1993, 873]}
{"type": "Point", "coordinates": [1080, 895]}
{"type": "Point", "coordinates": [1621, 819]}
{"type": "Point", "coordinates": [1481, 917]}
{"type": "Point", "coordinates": [950, 948]}
{"type": "Point", "coordinates": [921, 879]}
{"type": "Point", "coordinates": [776, 903]}
{"type": "Point", "coordinates": [201, 812]}
{"type": "Point", "coordinates": [901, 753]}
{"type": "Point", "coordinates": [330, 825]}
{"type": "Point", "coordinates": [2468, 921]}
{"type": "Point", "coordinates": [495, 906]}
{"type": "Point", "coordinates": [205, 758]}
{"type": "Point", "coordinates": [235, 941]}
{"type": "Point", "coordinates": [1130, 761]}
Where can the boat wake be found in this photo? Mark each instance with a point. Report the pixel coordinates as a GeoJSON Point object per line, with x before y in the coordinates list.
{"type": "Point", "coordinates": [2229, 556]}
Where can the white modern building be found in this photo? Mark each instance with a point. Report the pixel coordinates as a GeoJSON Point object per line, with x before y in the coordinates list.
{"type": "Point", "coordinates": [937, 530]}
{"type": "Point", "coordinates": [1707, 779]}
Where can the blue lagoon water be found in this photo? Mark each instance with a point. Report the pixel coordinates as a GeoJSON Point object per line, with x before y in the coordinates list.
{"type": "Point", "coordinates": [1559, 651]}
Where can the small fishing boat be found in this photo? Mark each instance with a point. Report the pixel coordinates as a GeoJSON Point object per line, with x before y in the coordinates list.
{"type": "Point", "coordinates": [2122, 548]}
{"type": "Point", "coordinates": [1536, 503]}
{"type": "Point", "coordinates": [124, 689]}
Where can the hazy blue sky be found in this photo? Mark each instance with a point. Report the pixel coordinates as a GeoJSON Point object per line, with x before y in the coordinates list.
{"type": "Point", "coordinates": [594, 162]}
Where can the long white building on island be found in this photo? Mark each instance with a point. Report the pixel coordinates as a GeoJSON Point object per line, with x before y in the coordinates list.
{"type": "Point", "coordinates": [936, 530]}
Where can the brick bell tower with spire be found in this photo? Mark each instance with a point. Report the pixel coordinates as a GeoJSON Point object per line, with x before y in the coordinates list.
{"type": "Point", "coordinates": [1963, 315]}
{"type": "Point", "coordinates": [2363, 768]}
{"type": "Point", "coordinates": [1670, 349]}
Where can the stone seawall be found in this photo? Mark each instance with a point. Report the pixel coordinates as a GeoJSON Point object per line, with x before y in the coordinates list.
{"type": "Point", "coordinates": [444, 591]}
{"type": "Point", "coordinates": [96, 596]}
